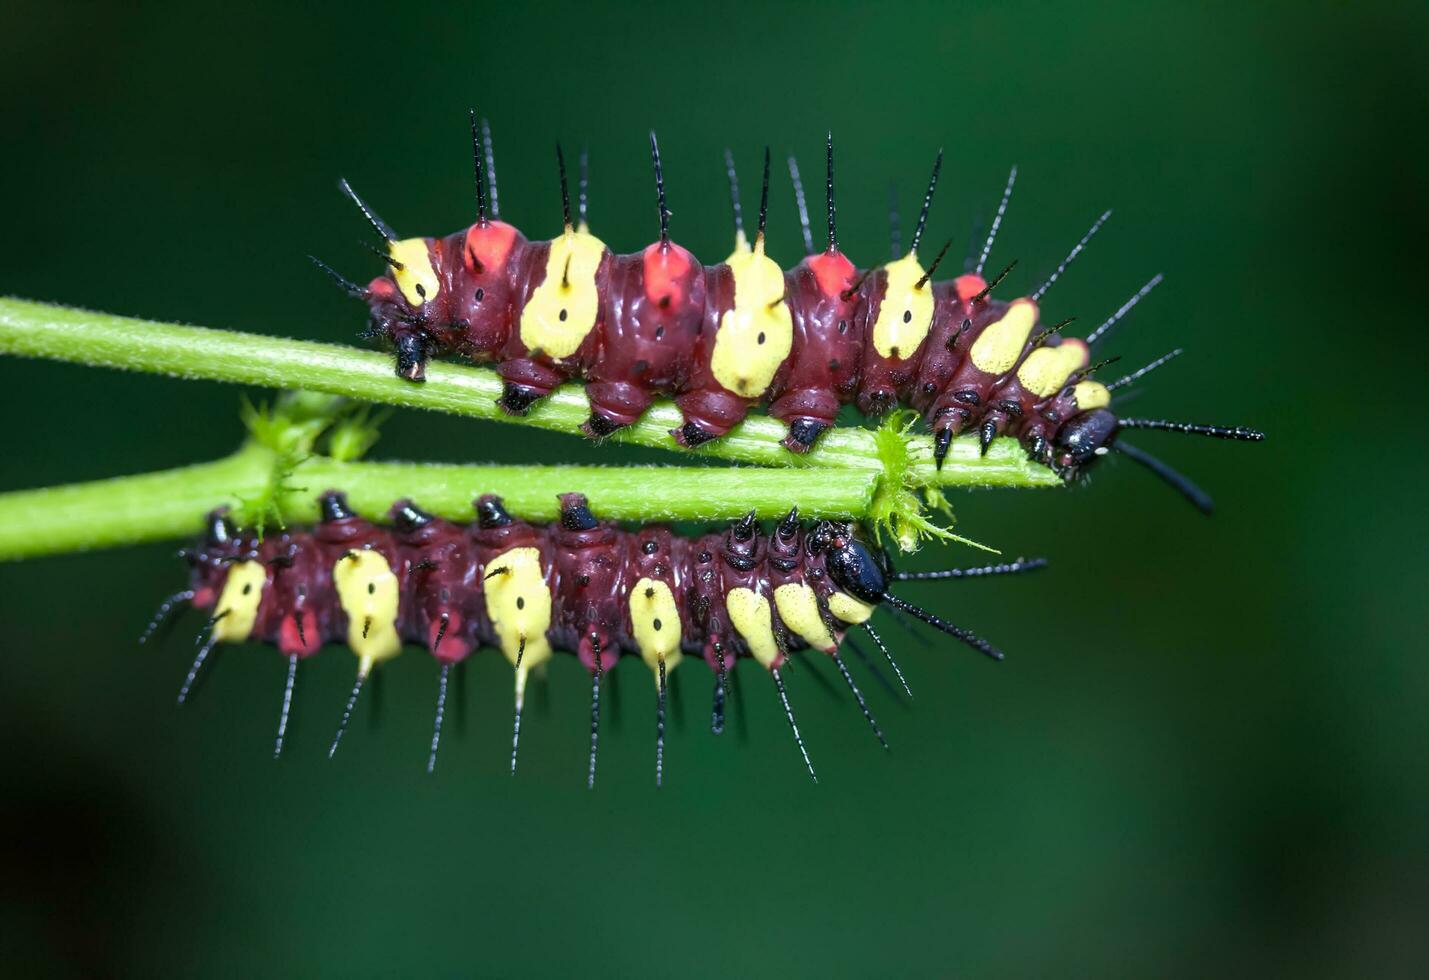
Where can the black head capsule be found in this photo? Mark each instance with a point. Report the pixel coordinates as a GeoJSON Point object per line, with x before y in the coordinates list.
{"type": "Point", "coordinates": [333, 506]}
{"type": "Point", "coordinates": [490, 513]}
{"type": "Point", "coordinates": [856, 569]}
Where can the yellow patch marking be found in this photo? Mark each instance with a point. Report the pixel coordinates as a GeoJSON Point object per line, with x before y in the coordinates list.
{"type": "Point", "coordinates": [799, 609]}
{"type": "Point", "coordinates": [749, 612]}
{"type": "Point", "coordinates": [906, 312]}
{"type": "Point", "coordinates": [741, 246]}
{"type": "Point", "coordinates": [416, 276]}
{"type": "Point", "coordinates": [563, 309]}
{"type": "Point", "coordinates": [367, 591]}
{"type": "Point", "coordinates": [655, 620]}
{"type": "Point", "coordinates": [849, 609]}
{"type": "Point", "coordinates": [518, 603]}
{"type": "Point", "coordinates": [238, 604]}
{"type": "Point", "coordinates": [999, 346]}
{"type": "Point", "coordinates": [1048, 368]}
{"type": "Point", "coordinates": [756, 335]}
{"type": "Point", "coordinates": [1090, 395]}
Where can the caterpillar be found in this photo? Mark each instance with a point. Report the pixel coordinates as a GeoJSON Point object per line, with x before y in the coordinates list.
{"type": "Point", "coordinates": [722, 339]}
{"type": "Point", "coordinates": [579, 585]}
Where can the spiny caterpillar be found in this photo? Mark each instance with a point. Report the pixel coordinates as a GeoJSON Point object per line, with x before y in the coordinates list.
{"type": "Point", "coordinates": [529, 590]}
{"type": "Point", "coordinates": [720, 339]}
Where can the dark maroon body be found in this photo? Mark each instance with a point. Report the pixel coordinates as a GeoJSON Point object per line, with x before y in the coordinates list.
{"type": "Point", "coordinates": [659, 316]}
{"type": "Point", "coordinates": [590, 567]}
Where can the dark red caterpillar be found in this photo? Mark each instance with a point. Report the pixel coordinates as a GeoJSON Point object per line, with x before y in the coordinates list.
{"type": "Point", "coordinates": [723, 338]}
{"type": "Point", "coordinates": [578, 585]}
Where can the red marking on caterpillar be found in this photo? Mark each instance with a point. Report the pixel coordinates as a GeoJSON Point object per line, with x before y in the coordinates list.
{"type": "Point", "coordinates": [581, 585]}
{"type": "Point", "coordinates": [657, 314]}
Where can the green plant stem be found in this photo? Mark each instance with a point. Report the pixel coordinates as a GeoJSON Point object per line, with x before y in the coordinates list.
{"type": "Point", "coordinates": [171, 503]}
{"type": "Point", "coordinates": [99, 339]}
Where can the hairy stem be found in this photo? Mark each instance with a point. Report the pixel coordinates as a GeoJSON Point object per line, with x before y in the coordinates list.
{"type": "Point", "coordinates": [99, 339]}
{"type": "Point", "coordinates": [171, 503]}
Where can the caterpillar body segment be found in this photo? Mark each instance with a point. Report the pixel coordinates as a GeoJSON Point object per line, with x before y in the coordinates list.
{"type": "Point", "coordinates": [578, 585]}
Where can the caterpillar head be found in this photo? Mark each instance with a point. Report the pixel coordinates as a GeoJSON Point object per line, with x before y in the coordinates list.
{"type": "Point", "coordinates": [1081, 440]}
{"type": "Point", "coordinates": [861, 571]}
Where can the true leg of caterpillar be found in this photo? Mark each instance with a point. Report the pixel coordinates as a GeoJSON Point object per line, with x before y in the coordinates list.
{"type": "Point", "coordinates": [967, 636]}
{"type": "Point", "coordinates": [520, 699]}
{"type": "Point", "coordinates": [793, 725]}
{"type": "Point", "coordinates": [717, 713]}
{"type": "Point", "coordinates": [1009, 568]}
{"type": "Point", "coordinates": [162, 613]}
{"type": "Point", "coordinates": [802, 205]}
{"type": "Point", "coordinates": [1198, 498]}
{"type": "Point", "coordinates": [364, 667]}
{"type": "Point", "coordinates": [1142, 372]}
{"type": "Point", "coordinates": [996, 221]}
{"type": "Point", "coordinates": [1071, 256]}
{"type": "Point", "coordinates": [1123, 310]}
{"type": "Point", "coordinates": [287, 705]}
{"type": "Point", "coordinates": [205, 641]}
{"type": "Point", "coordinates": [878, 641]}
{"type": "Point", "coordinates": [441, 710]}
{"type": "Point", "coordinates": [660, 729]}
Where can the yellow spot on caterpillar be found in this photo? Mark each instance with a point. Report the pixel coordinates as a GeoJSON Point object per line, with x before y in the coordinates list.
{"type": "Point", "coordinates": [563, 309]}
{"type": "Point", "coordinates": [1048, 368]}
{"type": "Point", "coordinates": [741, 246]}
{"type": "Point", "coordinates": [906, 313]}
{"type": "Point", "coordinates": [416, 277]}
{"type": "Point", "coordinates": [518, 603]}
{"type": "Point", "coordinates": [1090, 395]}
{"type": "Point", "coordinates": [749, 612]}
{"type": "Point", "coordinates": [849, 609]}
{"type": "Point", "coordinates": [799, 609]}
{"type": "Point", "coordinates": [756, 335]}
{"type": "Point", "coordinates": [655, 621]}
{"type": "Point", "coordinates": [367, 592]}
{"type": "Point", "coordinates": [999, 346]}
{"type": "Point", "coordinates": [238, 605]}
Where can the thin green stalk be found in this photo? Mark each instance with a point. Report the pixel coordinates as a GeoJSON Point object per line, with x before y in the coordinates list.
{"type": "Point", "coordinates": [171, 503]}
{"type": "Point", "coordinates": [60, 333]}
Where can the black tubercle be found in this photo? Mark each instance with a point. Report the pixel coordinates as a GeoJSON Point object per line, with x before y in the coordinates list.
{"type": "Point", "coordinates": [694, 435]}
{"type": "Point", "coordinates": [490, 513]}
{"type": "Point", "coordinates": [745, 527]}
{"type": "Point", "coordinates": [333, 506]}
{"type": "Point", "coordinates": [790, 524]}
{"type": "Point", "coordinates": [575, 513]}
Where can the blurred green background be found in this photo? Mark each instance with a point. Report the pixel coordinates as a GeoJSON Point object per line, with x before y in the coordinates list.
{"type": "Point", "coordinates": [1206, 750]}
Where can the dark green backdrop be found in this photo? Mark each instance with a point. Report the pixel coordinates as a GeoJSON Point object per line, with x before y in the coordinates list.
{"type": "Point", "coordinates": [1205, 752]}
